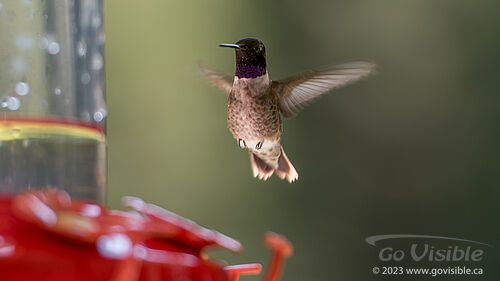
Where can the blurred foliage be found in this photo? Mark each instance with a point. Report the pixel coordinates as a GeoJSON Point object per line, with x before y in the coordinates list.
{"type": "Point", "coordinates": [413, 149]}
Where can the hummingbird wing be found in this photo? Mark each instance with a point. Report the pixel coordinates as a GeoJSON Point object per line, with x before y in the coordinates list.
{"type": "Point", "coordinates": [298, 91]}
{"type": "Point", "coordinates": [221, 81]}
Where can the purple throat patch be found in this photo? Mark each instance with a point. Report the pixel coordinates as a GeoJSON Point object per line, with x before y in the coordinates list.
{"type": "Point", "coordinates": [249, 71]}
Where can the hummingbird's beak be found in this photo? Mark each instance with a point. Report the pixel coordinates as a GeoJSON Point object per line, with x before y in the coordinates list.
{"type": "Point", "coordinates": [230, 46]}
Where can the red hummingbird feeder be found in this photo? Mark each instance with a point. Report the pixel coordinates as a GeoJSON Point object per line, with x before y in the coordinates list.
{"type": "Point", "coordinates": [47, 235]}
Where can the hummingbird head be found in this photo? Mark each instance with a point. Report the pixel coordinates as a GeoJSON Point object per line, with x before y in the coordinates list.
{"type": "Point", "coordinates": [250, 57]}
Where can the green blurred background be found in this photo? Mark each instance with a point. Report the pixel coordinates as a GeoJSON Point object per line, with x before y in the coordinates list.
{"type": "Point", "coordinates": [413, 149]}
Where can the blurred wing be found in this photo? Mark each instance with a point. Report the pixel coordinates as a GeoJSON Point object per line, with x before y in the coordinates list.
{"type": "Point", "coordinates": [298, 91]}
{"type": "Point", "coordinates": [221, 81]}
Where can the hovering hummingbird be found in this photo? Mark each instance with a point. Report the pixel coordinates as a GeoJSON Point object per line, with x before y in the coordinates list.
{"type": "Point", "coordinates": [256, 103]}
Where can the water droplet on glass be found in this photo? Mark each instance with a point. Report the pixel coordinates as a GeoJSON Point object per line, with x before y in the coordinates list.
{"type": "Point", "coordinates": [81, 48]}
{"type": "Point", "coordinates": [26, 143]}
{"type": "Point", "coordinates": [97, 61]}
{"type": "Point", "coordinates": [100, 114]}
{"type": "Point", "coordinates": [85, 78]}
{"type": "Point", "coordinates": [22, 88]}
{"type": "Point", "coordinates": [53, 48]}
{"type": "Point", "coordinates": [43, 43]}
{"type": "Point", "coordinates": [57, 91]}
{"type": "Point", "coordinates": [13, 103]}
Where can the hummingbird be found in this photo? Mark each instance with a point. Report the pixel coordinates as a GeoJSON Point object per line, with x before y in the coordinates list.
{"type": "Point", "coordinates": [257, 104]}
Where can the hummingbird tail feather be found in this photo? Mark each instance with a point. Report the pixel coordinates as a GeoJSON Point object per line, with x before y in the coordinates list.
{"type": "Point", "coordinates": [260, 168]}
{"type": "Point", "coordinates": [285, 168]}
{"type": "Point", "coordinates": [263, 171]}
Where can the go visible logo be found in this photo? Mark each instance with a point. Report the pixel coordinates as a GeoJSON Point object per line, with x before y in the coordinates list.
{"type": "Point", "coordinates": [461, 250]}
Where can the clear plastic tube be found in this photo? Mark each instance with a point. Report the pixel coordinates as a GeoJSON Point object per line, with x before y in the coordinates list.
{"type": "Point", "coordinates": [52, 103]}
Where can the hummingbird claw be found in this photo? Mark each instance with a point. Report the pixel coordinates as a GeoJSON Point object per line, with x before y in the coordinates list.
{"type": "Point", "coordinates": [259, 145]}
{"type": "Point", "coordinates": [242, 143]}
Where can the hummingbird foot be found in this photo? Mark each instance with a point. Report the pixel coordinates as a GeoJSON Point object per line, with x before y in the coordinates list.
{"type": "Point", "coordinates": [242, 143]}
{"type": "Point", "coordinates": [258, 146]}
